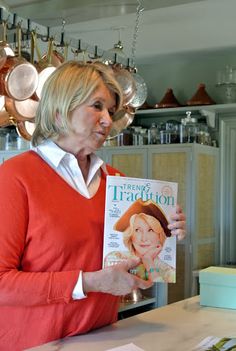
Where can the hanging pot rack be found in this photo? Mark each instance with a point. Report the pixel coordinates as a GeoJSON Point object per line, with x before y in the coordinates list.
{"type": "Point", "coordinates": [45, 33]}
{"type": "Point", "coordinates": [30, 31]}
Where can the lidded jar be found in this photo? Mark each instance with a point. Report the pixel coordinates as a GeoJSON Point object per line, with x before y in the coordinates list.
{"type": "Point", "coordinates": [153, 134]}
{"type": "Point", "coordinates": [188, 129]}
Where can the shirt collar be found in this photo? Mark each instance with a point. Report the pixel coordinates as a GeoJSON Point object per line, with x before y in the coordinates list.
{"type": "Point", "coordinates": [54, 154]}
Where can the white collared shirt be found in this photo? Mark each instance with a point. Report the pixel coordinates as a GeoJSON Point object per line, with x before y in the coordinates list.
{"type": "Point", "coordinates": [66, 165]}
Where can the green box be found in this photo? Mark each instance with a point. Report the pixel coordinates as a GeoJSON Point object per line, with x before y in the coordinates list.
{"type": "Point", "coordinates": [218, 287]}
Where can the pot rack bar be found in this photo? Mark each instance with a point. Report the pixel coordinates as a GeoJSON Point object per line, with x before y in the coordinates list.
{"type": "Point", "coordinates": [45, 33]}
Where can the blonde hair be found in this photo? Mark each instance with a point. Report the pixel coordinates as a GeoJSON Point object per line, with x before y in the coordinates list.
{"type": "Point", "coordinates": [70, 85]}
{"type": "Point", "coordinates": [151, 221]}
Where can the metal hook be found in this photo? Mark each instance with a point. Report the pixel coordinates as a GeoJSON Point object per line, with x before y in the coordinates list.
{"type": "Point", "coordinates": [95, 56]}
{"type": "Point", "coordinates": [46, 38]}
{"type": "Point", "coordinates": [79, 50]}
{"type": "Point", "coordinates": [27, 31]}
{"type": "Point", "coordinates": [13, 25]}
{"type": "Point", "coordinates": [62, 43]}
{"type": "Point", "coordinates": [1, 14]}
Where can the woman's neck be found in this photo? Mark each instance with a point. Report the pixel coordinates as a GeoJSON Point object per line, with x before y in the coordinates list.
{"type": "Point", "coordinates": [84, 164]}
{"type": "Point", "coordinates": [82, 157]}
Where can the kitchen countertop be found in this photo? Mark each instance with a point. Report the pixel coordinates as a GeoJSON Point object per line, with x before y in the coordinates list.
{"type": "Point", "coordinates": [179, 326]}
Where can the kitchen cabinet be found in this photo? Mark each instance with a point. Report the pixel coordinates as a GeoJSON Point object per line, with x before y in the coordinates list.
{"type": "Point", "coordinates": [195, 168]}
{"type": "Point", "coordinates": [227, 204]}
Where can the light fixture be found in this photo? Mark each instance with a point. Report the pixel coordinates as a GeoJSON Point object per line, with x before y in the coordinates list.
{"type": "Point", "coordinates": [118, 47]}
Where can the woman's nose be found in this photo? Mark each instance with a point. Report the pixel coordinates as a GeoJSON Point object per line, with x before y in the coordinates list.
{"type": "Point", "coordinates": [106, 118]}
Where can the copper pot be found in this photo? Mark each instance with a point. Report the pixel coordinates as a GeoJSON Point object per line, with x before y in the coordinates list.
{"type": "Point", "coordinates": [5, 49]}
{"type": "Point", "coordinates": [21, 110]}
{"type": "Point", "coordinates": [25, 129]}
{"type": "Point", "coordinates": [18, 78]}
{"type": "Point", "coordinates": [121, 120]}
{"type": "Point", "coordinates": [43, 74]}
{"type": "Point", "coordinates": [5, 119]}
{"type": "Point", "coordinates": [126, 81]}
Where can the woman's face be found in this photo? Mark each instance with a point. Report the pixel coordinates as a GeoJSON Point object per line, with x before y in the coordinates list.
{"type": "Point", "coordinates": [144, 238]}
{"type": "Point", "coordinates": [90, 123]}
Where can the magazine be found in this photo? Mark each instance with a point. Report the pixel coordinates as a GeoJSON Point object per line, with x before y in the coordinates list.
{"type": "Point", "coordinates": [137, 214]}
{"type": "Point", "coordinates": [213, 343]}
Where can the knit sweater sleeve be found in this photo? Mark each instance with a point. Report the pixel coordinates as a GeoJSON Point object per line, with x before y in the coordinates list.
{"type": "Point", "coordinates": [19, 287]}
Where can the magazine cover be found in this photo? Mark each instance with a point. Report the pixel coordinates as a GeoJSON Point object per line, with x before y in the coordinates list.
{"type": "Point", "coordinates": [137, 214]}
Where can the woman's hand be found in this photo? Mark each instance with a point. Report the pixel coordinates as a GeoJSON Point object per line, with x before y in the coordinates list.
{"type": "Point", "coordinates": [178, 226]}
{"type": "Point", "coordinates": [115, 280]}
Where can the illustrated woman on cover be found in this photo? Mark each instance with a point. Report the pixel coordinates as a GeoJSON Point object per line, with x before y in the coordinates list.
{"type": "Point", "coordinates": [145, 229]}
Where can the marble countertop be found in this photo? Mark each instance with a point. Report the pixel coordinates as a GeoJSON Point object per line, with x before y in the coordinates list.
{"type": "Point", "coordinates": [179, 326]}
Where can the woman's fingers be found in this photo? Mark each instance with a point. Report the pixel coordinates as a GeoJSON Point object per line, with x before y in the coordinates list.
{"type": "Point", "coordinates": [178, 226]}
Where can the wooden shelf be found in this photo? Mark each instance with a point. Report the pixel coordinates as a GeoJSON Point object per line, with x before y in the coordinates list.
{"type": "Point", "coordinates": [181, 110]}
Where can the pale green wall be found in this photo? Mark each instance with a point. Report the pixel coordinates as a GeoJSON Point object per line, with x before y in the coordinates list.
{"type": "Point", "coordinates": [184, 72]}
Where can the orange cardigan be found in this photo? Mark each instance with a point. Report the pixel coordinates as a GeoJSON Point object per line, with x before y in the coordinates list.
{"type": "Point", "coordinates": [48, 233]}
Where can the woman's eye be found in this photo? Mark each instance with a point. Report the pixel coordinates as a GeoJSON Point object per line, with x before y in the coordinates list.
{"type": "Point", "coordinates": [150, 230]}
{"type": "Point", "coordinates": [98, 106]}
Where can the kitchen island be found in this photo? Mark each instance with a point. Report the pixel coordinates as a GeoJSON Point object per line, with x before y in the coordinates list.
{"type": "Point", "coordinates": [176, 327]}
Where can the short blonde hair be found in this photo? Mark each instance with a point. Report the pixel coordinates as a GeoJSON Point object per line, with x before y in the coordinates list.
{"type": "Point", "coordinates": [151, 221]}
{"type": "Point", "coordinates": [70, 85]}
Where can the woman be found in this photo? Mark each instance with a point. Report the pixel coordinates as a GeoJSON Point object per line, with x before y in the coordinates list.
{"type": "Point", "coordinates": [52, 283]}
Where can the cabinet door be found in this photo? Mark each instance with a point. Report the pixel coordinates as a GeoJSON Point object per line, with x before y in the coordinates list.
{"type": "Point", "coordinates": [228, 189]}
{"type": "Point", "coordinates": [206, 220]}
{"type": "Point", "coordinates": [172, 164]}
{"type": "Point", "coordinates": [132, 161]}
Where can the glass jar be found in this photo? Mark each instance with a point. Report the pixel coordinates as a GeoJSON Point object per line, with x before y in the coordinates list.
{"type": "Point", "coordinates": [136, 133]}
{"type": "Point", "coordinates": [153, 134]}
{"type": "Point", "coordinates": [173, 127]}
{"type": "Point", "coordinates": [125, 138]}
{"type": "Point", "coordinates": [165, 137]}
{"type": "Point", "coordinates": [188, 129]}
{"type": "Point", "coordinates": [143, 137]}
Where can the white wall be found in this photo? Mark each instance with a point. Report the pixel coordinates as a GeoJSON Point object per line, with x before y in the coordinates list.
{"type": "Point", "coordinates": [184, 72]}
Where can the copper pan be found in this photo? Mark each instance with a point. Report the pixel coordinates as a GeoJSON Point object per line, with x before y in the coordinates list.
{"type": "Point", "coordinates": [43, 74]}
{"type": "Point", "coordinates": [56, 58]}
{"type": "Point", "coordinates": [126, 82]}
{"type": "Point", "coordinates": [25, 129]}
{"type": "Point", "coordinates": [21, 110]}
{"type": "Point", "coordinates": [5, 119]}
{"type": "Point", "coordinates": [5, 49]}
{"type": "Point", "coordinates": [18, 77]}
{"type": "Point", "coordinates": [121, 120]}
{"type": "Point", "coordinates": [44, 66]}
